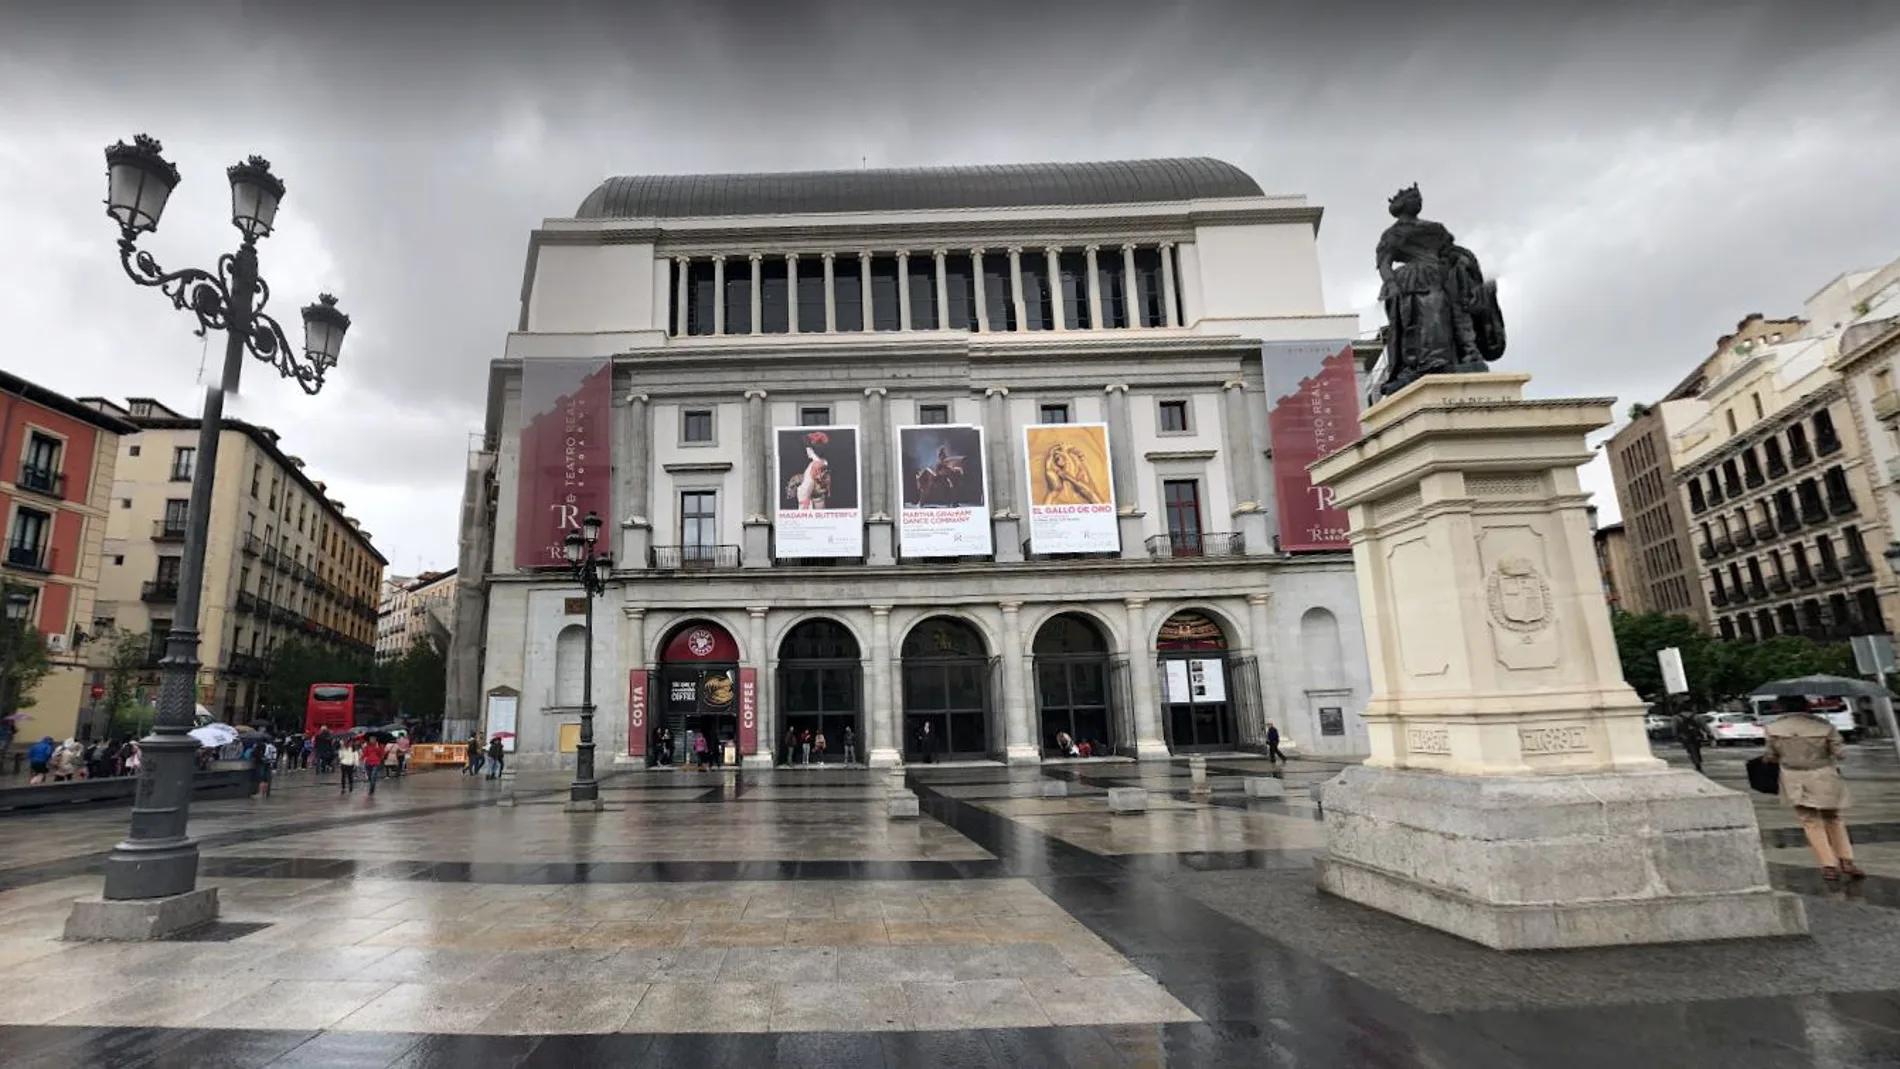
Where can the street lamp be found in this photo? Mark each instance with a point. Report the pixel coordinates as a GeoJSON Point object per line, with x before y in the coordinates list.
{"type": "Point", "coordinates": [17, 603]}
{"type": "Point", "coordinates": [158, 859]}
{"type": "Point", "coordinates": [591, 572]}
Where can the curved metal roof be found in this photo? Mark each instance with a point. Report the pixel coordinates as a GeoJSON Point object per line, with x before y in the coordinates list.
{"type": "Point", "coordinates": [673, 196]}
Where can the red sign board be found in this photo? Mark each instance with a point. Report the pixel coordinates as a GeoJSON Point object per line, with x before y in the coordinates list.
{"type": "Point", "coordinates": [1314, 387]}
{"type": "Point", "coordinates": [637, 712]}
{"type": "Point", "coordinates": [98, 691]}
{"type": "Point", "coordinates": [748, 710]}
{"type": "Point", "coordinates": [566, 463]}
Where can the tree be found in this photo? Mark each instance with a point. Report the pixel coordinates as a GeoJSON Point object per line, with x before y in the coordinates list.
{"type": "Point", "coordinates": [419, 681]}
{"type": "Point", "coordinates": [23, 651]}
{"type": "Point", "coordinates": [1716, 670]}
{"type": "Point", "coordinates": [1639, 636]}
{"type": "Point", "coordinates": [125, 655]}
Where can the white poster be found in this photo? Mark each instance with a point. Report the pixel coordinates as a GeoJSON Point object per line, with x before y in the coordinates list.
{"type": "Point", "coordinates": [1071, 488]}
{"type": "Point", "coordinates": [944, 491]}
{"type": "Point", "coordinates": [501, 719]}
{"type": "Point", "coordinates": [1175, 682]}
{"type": "Point", "coordinates": [1206, 682]}
{"type": "Point", "coordinates": [818, 512]}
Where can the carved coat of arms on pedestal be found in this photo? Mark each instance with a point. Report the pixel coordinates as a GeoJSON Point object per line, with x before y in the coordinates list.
{"type": "Point", "coordinates": [1519, 597]}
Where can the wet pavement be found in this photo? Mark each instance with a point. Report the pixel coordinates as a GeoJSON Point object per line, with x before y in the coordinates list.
{"type": "Point", "coordinates": [779, 918]}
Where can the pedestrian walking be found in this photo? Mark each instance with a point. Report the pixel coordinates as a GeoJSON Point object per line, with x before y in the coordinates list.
{"type": "Point", "coordinates": [495, 757]}
{"type": "Point", "coordinates": [1693, 734]}
{"type": "Point", "coordinates": [850, 746]}
{"type": "Point", "coordinates": [374, 754]}
{"type": "Point", "coordinates": [472, 755]}
{"type": "Point", "coordinates": [927, 744]}
{"type": "Point", "coordinates": [1808, 750]}
{"type": "Point", "coordinates": [39, 759]}
{"type": "Point", "coordinates": [349, 760]}
{"type": "Point", "coordinates": [1273, 744]}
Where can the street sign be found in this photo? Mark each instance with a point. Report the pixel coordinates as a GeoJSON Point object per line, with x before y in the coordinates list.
{"type": "Point", "coordinates": [1675, 680]}
{"type": "Point", "coordinates": [98, 691]}
{"type": "Point", "coordinates": [1873, 655]}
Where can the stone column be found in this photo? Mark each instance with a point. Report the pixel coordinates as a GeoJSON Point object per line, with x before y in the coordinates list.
{"type": "Point", "coordinates": [1016, 286]}
{"type": "Point", "coordinates": [1003, 515]}
{"type": "Point", "coordinates": [1019, 738]}
{"type": "Point", "coordinates": [877, 479]}
{"type": "Point", "coordinates": [831, 293]}
{"type": "Point", "coordinates": [636, 461]}
{"type": "Point", "coordinates": [1131, 291]}
{"type": "Point", "coordinates": [719, 294]}
{"type": "Point", "coordinates": [1095, 288]}
{"type": "Point", "coordinates": [762, 659]}
{"type": "Point", "coordinates": [881, 739]}
{"type": "Point", "coordinates": [1171, 316]}
{"type": "Point", "coordinates": [791, 293]}
{"type": "Point", "coordinates": [1144, 700]}
{"type": "Point", "coordinates": [943, 291]}
{"type": "Point", "coordinates": [755, 475]}
{"type": "Point", "coordinates": [903, 290]}
{"type": "Point", "coordinates": [1511, 797]}
{"type": "Point", "coordinates": [864, 288]}
{"type": "Point", "coordinates": [982, 299]}
{"type": "Point", "coordinates": [1266, 654]}
{"type": "Point", "coordinates": [1053, 257]}
{"type": "Point", "coordinates": [682, 293]}
{"type": "Point", "coordinates": [633, 657]}
{"type": "Point", "coordinates": [1121, 455]}
{"type": "Point", "coordinates": [758, 301]}
{"type": "Point", "coordinates": [1250, 520]}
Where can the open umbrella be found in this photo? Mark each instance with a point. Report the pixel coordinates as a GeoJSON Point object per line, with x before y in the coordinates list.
{"type": "Point", "coordinates": [1819, 687]}
{"type": "Point", "coordinates": [214, 735]}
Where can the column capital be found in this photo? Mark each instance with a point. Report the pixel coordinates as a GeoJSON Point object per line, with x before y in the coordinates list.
{"type": "Point", "coordinates": [640, 397]}
{"type": "Point", "coordinates": [865, 254]}
{"type": "Point", "coordinates": [755, 257]}
{"type": "Point", "coordinates": [1166, 245]}
{"type": "Point", "coordinates": [1259, 599]}
{"type": "Point", "coordinates": [755, 395]}
{"type": "Point", "coordinates": [1091, 249]}
{"type": "Point", "coordinates": [719, 258]}
{"type": "Point", "coordinates": [940, 253]}
{"type": "Point", "coordinates": [1134, 603]}
{"type": "Point", "coordinates": [1053, 250]}
{"type": "Point", "coordinates": [683, 261]}
{"type": "Point", "coordinates": [996, 391]}
{"type": "Point", "coordinates": [1115, 387]}
{"type": "Point", "coordinates": [757, 612]}
{"type": "Point", "coordinates": [633, 612]}
{"type": "Point", "coordinates": [829, 255]}
{"type": "Point", "coordinates": [1234, 384]}
{"type": "Point", "coordinates": [903, 254]}
{"type": "Point", "coordinates": [979, 251]}
{"type": "Point", "coordinates": [1009, 607]}
{"type": "Point", "coordinates": [791, 256]}
{"type": "Point", "coordinates": [875, 391]}
{"type": "Point", "coordinates": [881, 610]}
{"type": "Point", "coordinates": [1015, 250]}
{"type": "Point", "coordinates": [1129, 246]}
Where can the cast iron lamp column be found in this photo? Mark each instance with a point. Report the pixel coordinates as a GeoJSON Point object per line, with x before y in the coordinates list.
{"type": "Point", "coordinates": [17, 603]}
{"type": "Point", "coordinates": [158, 859]}
{"type": "Point", "coordinates": [591, 572]}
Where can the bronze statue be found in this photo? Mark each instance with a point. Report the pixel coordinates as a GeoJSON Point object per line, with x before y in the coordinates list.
{"type": "Point", "coordinates": [1441, 314]}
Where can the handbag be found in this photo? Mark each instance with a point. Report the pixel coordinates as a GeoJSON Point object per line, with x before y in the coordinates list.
{"type": "Point", "coordinates": [1764, 775]}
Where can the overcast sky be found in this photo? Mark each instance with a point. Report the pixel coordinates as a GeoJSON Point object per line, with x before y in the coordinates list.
{"type": "Point", "coordinates": [1637, 176]}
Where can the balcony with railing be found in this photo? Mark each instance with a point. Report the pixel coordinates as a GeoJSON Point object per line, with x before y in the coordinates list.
{"type": "Point", "coordinates": [1813, 512]}
{"type": "Point", "coordinates": [1757, 591]}
{"type": "Point", "coordinates": [1745, 538]}
{"type": "Point", "coordinates": [1719, 598]}
{"type": "Point", "coordinates": [1715, 496]}
{"type": "Point", "coordinates": [27, 557]}
{"type": "Point", "coordinates": [246, 666]}
{"type": "Point", "coordinates": [1887, 404]}
{"type": "Point", "coordinates": [1857, 564]}
{"type": "Point", "coordinates": [1765, 530]}
{"type": "Point", "coordinates": [693, 558]}
{"type": "Point", "coordinates": [159, 591]}
{"type": "Point", "coordinates": [262, 608]}
{"type": "Point", "coordinates": [1803, 578]}
{"type": "Point", "coordinates": [270, 554]}
{"type": "Point", "coordinates": [1780, 585]}
{"type": "Point", "coordinates": [1724, 546]}
{"type": "Point", "coordinates": [35, 479]}
{"type": "Point", "coordinates": [246, 601]}
{"type": "Point", "coordinates": [1789, 522]}
{"type": "Point", "coordinates": [1842, 505]}
{"type": "Point", "coordinates": [251, 545]}
{"type": "Point", "coordinates": [1828, 572]}
{"type": "Point", "coordinates": [1777, 467]}
{"type": "Point", "coordinates": [1827, 446]}
{"type": "Point", "coordinates": [1706, 551]}
{"type": "Point", "coordinates": [168, 530]}
{"type": "Point", "coordinates": [1800, 457]}
{"type": "Point", "coordinates": [1196, 544]}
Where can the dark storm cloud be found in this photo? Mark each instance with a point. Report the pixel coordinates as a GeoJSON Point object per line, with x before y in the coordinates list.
{"type": "Point", "coordinates": [1638, 175]}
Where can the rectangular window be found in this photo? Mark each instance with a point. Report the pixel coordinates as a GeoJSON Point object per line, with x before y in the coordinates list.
{"type": "Point", "coordinates": [1052, 413]}
{"type": "Point", "coordinates": [257, 478]}
{"type": "Point", "coordinates": [774, 297]}
{"type": "Point", "coordinates": [814, 416]}
{"type": "Point", "coordinates": [1037, 306]}
{"type": "Point", "coordinates": [177, 511]}
{"type": "Point", "coordinates": [933, 413]}
{"type": "Point", "coordinates": [848, 289]}
{"type": "Point", "coordinates": [1074, 269]}
{"type": "Point", "coordinates": [700, 296]}
{"type": "Point", "coordinates": [811, 295]}
{"type": "Point", "coordinates": [923, 292]}
{"type": "Point", "coordinates": [134, 451]}
{"type": "Point", "coordinates": [1111, 279]}
{"type": "Point", "coordinates": [26, 543]}
{"type": "Point", "coordinates": [696, 425]}
{"type": "Point", "coordinates": [699, 524]}
{"type": "Point", "coordinates": [1182, 500]}
{"type": "Point", "coordinates": [884, 311]}
{"type": "Point", "coordinates": [39, 468]}
{"type": "Point", "coordinates": [959, 293]}
{"type": "Point", "coordinates": [1152, 306]}
{"type": "Point", "coordinates": [184, 458]}
{"type": "Point", "coordinates": [998, 304]}
{"type": "Point", "coordinates": [167, 575]}
{"type": "Point", "coordinates": [1174, 417]}
{"type": "Point", "coordinates": [738, 296]}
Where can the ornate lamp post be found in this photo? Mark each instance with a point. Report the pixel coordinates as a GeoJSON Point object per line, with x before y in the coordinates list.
{"type": "Point", "coordinates": [11, 640]}
{"type": "Point", "coordinates": [159, 859]}
{"type": "Point", "coordinates": [591, 572]}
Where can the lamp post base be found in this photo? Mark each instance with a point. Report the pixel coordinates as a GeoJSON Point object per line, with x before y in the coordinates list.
{"type": "Point", "coordinates": [583, 805]}
{"type": "Point", "coordinates": [141, 920]}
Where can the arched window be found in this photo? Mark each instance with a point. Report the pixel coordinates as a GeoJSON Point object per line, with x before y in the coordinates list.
{"type": "Point", "coordinates": [1319, 646]}
{"type": "Point", "coordinates": [1072, 687]}
{"type": "Point", "coordinates": [947, 673]}
{"type": "Point", "coordinates": [820, 693]}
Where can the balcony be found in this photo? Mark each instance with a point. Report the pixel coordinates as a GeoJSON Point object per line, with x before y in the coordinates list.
{"type": "Point", "coordinates": [1715, 496]}
{"type": "Point", "coordinates": [1752, 479]}
{"type": "Point", "coordinates": [27, 558]}
{"type": "Point", "coordinates": [1732, 488]}
{"type": "Point", "coordinates": [1788, 522]}
{"type": "Point", "coordinates": [1738, 596]}
{"type": "Point", "coordinates": [1828, 572]}
{"type": "Point", "coordinates": [1887, 404]}
{"type": "Point", "coordinates": [1804, 579]}
{"type": "Point", "coordinates": [1842, 506]}
{"type": "Point", "coordinates": [1800, 458]}
{"type": "Point", "coordinates": [1707, 552]}
{"type": "Point", "coordinates": [1765, 530]}
{"type": "Point", "coordinates": [1780, 585]}
{"type": "Point", "coordinates": [159, 591]}
{"type": "Point", "coordinates": [681, 559]}
{"type": "Point", "coordinates": [261, 608]}
{"type": "Point", "coordinates": [1827, 447]}
{"type": "Point", "coordinates": [246, 666]}
{"type": "Point", "coordinates": [252, 545]}
{"type": "Point", "coordinates": [1813, 512]}
{"type": "Point", "coordinates": [1202, 544]}
{"type": "Point", "coordinates": [1719, 598]}
{"type": "Point", "coordinates": [168, 530]}
{"type": "Point", "coordinates": [1777, 468]}
{"type": "Point", "coordinates": [1757, 591]}
{"type": "Point", "coordinates": [1745, 538]}
{"type": "Point", "coordinates": [43, 481]}
{"type": "Point", "coordinates": [270, 554]}
{"type": "Point", "coordinates": [1724, 546]}
{"type": "Point", "coordinates": [1858, 564]}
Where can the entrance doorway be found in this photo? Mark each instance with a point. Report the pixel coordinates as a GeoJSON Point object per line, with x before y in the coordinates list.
{"type": "Point", "coordinates": [820, 690]}
{"type": "Point", "coordinates": [1072, 687]}
{"type": "Point", "coordinates": [699, 690]}
{"type": "Point", "coordinates": [1197, 702]}
{"type": "Point", "coordinates": [947, 673]}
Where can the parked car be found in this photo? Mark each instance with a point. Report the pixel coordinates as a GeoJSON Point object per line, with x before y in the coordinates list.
{"type": "Point", "coordinates": [1735, 729]}
{"type": "Point", "coordinates": [1659, 726]}
{"type": "Point", "coordinates": [1834, 710]}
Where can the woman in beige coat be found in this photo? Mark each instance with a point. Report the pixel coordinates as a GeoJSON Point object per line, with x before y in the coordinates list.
{"type": "Point", "coordinates": [1809, 750]}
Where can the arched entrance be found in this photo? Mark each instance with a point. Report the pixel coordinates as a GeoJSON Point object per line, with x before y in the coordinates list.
{"type": "Point", "coordinates": [820, 689]}
{"type": "Point", "coordinates": [947, 672]}
{"type": "Point", "coordinates": [699, 688]}
{"type": "Point", "coordinates": [1196, 693]}
{"type": "Point", "coordinates": [1072, 686]}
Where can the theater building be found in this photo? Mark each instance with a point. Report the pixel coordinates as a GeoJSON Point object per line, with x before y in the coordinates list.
{"type": "Point", "coordinates": [1014, 454]}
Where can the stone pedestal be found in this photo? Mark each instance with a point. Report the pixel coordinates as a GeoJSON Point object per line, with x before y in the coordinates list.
{"type": "Point", "coordinates": [1511, 797]}
{"type": "Point", "coordinates": [143, 919]}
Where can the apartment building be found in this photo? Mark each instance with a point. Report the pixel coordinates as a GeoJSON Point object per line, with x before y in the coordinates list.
{"type": "Point", "coordinates": [57, 461]}
{"type": "Point", "coordinates": [1613, 563]}
{"type": "Point", "coordinates": [284, 559]}
{"type": "Point", "coordinates": [1869, 363]}
{"type": "Point", "coordinates": [414, 608]}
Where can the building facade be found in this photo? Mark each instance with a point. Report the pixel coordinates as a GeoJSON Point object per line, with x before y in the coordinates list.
{"type": "Point", "coordinates": [1613, 563]}
{"type": "Point", "coordinates": [969, 461]}
{"type": "Point", "coordinates": [57, 461]}
{"type": "Point", "coordinates": [413, 608]}
{"type": "Point", "coordinates": [1779, 484]}
{"type": "Point", "coordinates": [283, 560]}
{"type": "Point", "coordinates": [1869, 363]}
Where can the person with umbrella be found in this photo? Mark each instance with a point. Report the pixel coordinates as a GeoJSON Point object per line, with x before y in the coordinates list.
{"type": "Point", "coordinates": [1808, 750]}
{"type": "Point", "coordinates": [1693, 734]}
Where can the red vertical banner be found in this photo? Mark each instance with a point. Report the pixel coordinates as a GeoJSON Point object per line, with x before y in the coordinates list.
{"type": "Point", "coordinates": [748, 710]}
{"type": "Point", "coordinates": [637, 712]}
{"type": "Point", "coordinates": [566, 463]}
{"type": "Point", "coordinates": [1314, 412]}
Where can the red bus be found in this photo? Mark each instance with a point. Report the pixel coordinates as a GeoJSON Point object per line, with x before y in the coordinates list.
{"type": "Point", "coordinates": [342, 706]}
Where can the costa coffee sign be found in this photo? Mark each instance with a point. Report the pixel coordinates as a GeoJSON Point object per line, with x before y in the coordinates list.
{"type": "Point", "coordinates": [637, 712]}
{"type": "Point", "coordinates": [748, 710]}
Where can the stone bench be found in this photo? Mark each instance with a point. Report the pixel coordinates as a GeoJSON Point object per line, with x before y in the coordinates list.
{"type": "Point", "coordinates": [1264, 787]}
{"type": "Point", "coordinates": [1127, 800]}
{"type": "Point", "coordinates": [1055, 788]}
{"type": "Point", "coordinates": [902, 807]}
